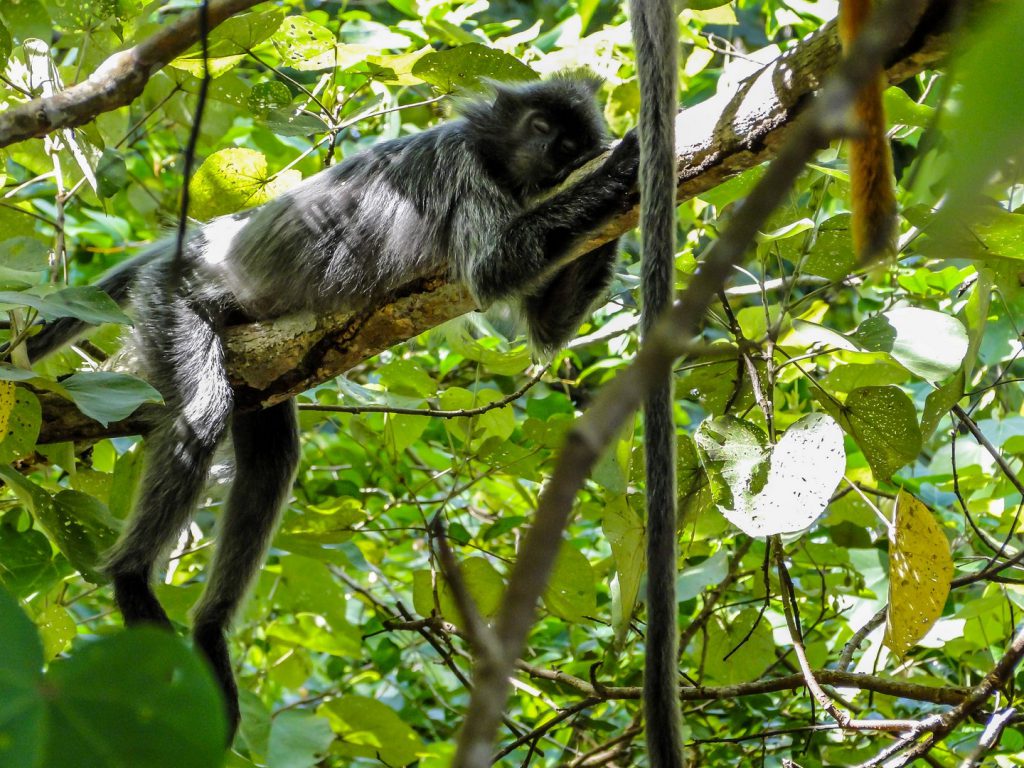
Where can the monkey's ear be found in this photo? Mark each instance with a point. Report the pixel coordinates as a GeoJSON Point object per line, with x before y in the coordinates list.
{"type": "Point", "coordinates": [506, 95]}
{"type": "Point", "coordinates": [592, 83]}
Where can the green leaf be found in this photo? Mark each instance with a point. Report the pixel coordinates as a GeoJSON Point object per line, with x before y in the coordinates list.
{"type": "Point", "coordinates": [233, 179]}
{"type": "Point", "coordinates": [467, 66]}
{"type": "Point", "coordinates": [692, 581]}
{"type": "Point", "coordinates": [107, 396]}
{"type": "Point", "coordinates": [93, 515]}
{"type": "Point", "coordinates": [305, 632]}
{"type": "Point", "coordinates": [27, 19]}
{"type": "Point", "coordinates": [752, 646]}
{"type": "Point", "coordinates": [624, 530]}
{"type": "Point", "coordinates": [939, 403]}
{"type": "Point", "coordinates": [735, 188]}
{"type": "Point", "coordinates": [26, 561]}
{"type": "Point", "coordinates": [832, 255]}
{"type": "Point", "coordinates": [990, 103]}
{"type": "Point", "coordinates": [571, 593]}
{"type": "Point", "coordinates": [73, 538]}
{"type": "Point", "coordinates": [299, 41]}
{"type": "Point", "coordinates": [24, 255]}
{"type": "Point", "coordinates": [7, 400]}
{"type": "Point", "coordinates": [850, 376]}
{"type": "Point", "coordinates": [229, 41]}
{"type": "Point", "coordinates": [88, 303]}
{"type": "Point", "coordinates": [768, 489]}
{"type": "Point", "coordinates": [900, 109]}
{"type": "Point", "coordinates": [127, 471]}
{"type": "Point", "coordinates": [10, 372]}
{"type": "Point", "coordinates": [308, 583]}
{"type": "Point", "coordinates": [370, 729]}
{"type": "Point", "coordinates": [6, 45]}
{"type": "Point", "coordinates": [884, 423]}
{"type": "Point", "coordinates": [267, 97]}
{"type": "Point", "coordinates": [503, 362]}
{"type": "Point", "coordinates": [137, 698]}
{"type": "Point", "coordinates": [298, 740]}
{"type": "Point", "coordinates": [111, 173]}
{"type": "Point", "coordinates": [56, 629]}
{"type": "Point", "coordinates": [929, 344]}
{"type": "Point", "coordinates": [486, 587]}
{"type": "Point", "coordinates": [22, 708]}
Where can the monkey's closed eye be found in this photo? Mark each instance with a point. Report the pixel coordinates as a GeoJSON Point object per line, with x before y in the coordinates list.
{"type": "Point", "coordinates": [540, 125]}
{"type": "Point", "coordinates": [568, 146]}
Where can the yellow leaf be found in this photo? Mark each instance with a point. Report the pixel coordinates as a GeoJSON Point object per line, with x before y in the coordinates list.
{"type": "Point", "coordinates": [6, 405]}
{"type": "Point", "coordinates": [920, 570]}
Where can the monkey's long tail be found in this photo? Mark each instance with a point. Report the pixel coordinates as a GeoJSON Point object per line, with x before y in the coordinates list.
{"type": "Point", "coordinates": [655, 34]}
{"type": "Point", "coordinates": [116, 283]}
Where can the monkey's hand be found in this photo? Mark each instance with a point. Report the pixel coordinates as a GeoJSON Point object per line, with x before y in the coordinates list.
{"type": "Point", "coordinates": [623, 164]}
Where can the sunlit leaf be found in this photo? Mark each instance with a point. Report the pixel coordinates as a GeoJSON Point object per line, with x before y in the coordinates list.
{"type": "Point", "coordinates": [371, 729]}
{"type": "Point", "coordinates": [233, 179]}
{"type": "Point", "coordinates": [467, 65]}
{"type": "Point", "coordinates": [930, 344]}
{"type": "Point", "coordinates": [6, 405]}
{"type": "Point", "coordinates": [56, 629]}
{"type": "Point", "coordinates": [765, 489]}
{"type": "Point", "coordinates": [920, 571]}
{"type": "Point", "coordinates": [23, 423]}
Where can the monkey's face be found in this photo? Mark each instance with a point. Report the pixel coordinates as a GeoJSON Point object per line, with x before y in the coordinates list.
{"type": "Point", "coordinates": [533, 135]}
{"type": "Point", "coordinates": [548, 144]}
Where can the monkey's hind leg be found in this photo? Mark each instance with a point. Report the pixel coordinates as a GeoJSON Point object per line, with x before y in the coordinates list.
{"type": "Point", "coordinates": [266, 454]}
{"type": "Point", "coordinates": [186, 363]}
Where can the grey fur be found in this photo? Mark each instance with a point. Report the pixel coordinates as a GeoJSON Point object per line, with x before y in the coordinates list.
{"type": "Point", "coordinates": [654, 33]}
{"type": "Point", "coordinates": [459, 197]}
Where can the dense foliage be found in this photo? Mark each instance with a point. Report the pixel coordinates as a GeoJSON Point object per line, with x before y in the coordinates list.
{"type": "Point", "coordinates": [874, 415]}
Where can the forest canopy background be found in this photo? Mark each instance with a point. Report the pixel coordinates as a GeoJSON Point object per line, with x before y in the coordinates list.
{"type": "Point", "coordinates": [352, 649]}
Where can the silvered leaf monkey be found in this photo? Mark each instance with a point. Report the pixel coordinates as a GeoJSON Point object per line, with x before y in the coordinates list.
{"type": "Point", "coordinates": [462, 196]}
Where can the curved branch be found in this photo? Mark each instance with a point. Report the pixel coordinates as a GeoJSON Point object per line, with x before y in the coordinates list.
{"type": "Point", "coordinates": [116, 82]}
{"type": "Point", "coordinates": [740, 127]}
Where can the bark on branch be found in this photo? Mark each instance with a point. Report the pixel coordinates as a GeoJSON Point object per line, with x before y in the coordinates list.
{"type": "Point", "coordinates": [738, 128]}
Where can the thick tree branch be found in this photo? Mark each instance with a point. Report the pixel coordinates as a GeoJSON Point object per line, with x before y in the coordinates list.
{"type": "Point", "coordinates": [116, 82]}
{"type": "Point", "coordinates": [740, 127]}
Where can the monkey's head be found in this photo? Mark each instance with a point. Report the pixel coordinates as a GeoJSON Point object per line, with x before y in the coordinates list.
{"type": "Point", "coordinates": [532, 136]}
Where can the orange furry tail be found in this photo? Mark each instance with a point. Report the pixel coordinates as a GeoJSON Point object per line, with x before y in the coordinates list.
{"type": "Point", "coordinates": [872, 191]}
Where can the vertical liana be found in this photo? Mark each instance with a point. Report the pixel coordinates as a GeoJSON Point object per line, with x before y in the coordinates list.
{"type": "Point", "coordinates": [655, 38]}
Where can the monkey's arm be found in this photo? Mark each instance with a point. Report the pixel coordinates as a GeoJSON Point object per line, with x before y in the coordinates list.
{"type": "Point", "coordinates": [524, 248]}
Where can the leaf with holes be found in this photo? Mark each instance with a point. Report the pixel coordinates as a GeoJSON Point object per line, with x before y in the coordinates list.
{"type": "Point", "coordinates": [883, 422]}
{"type": "Point", "coordinates": [467, 66]}
{"type": "Point", "coordinates": [765, 489]}
{"type": "Point", "coordinates": [920, 571]}
{"type": "Point", "coordinates": [6, 405]}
